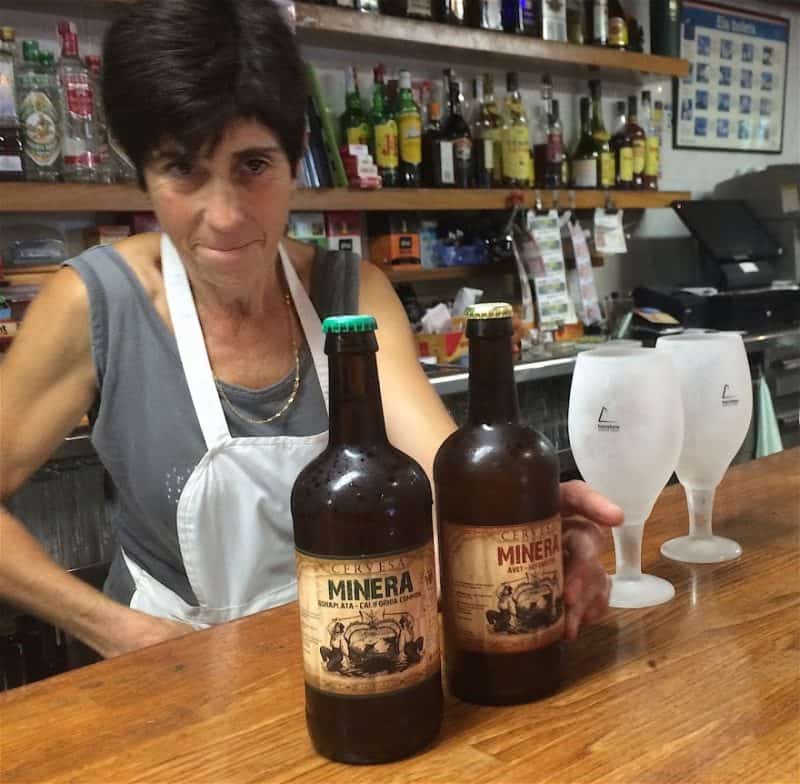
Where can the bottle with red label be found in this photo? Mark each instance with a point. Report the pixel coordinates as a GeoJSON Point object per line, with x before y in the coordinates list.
{"type": "Point", "coordinates": [554, 158]}
{"type": "Point", "coordinates": [80, 138]}
{"type": "Point", "coordinates": [501, 559]}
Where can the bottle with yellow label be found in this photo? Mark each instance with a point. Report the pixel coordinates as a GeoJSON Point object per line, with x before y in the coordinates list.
{"type": "Point", "coordinates": [354, 125]}
{"type": "Point", "coordinates": [366, 579]}
{"type": "Point", "coordinates": [638, 139]}
{"type": "Point", "coordinates": [409, 125]}
{"type": "Point", "coordinates": [517, 159]}
{"type": "Point", "coordinates": [617, 25]}
{"type": "Point", "coordinates": [622, 147]}
{"type": "Point", "coordinates": [606, 168]}
{"type": "Point", "coordinates": [500, 548]}
{"type": "Point", "coordinates": [652, 160]}
{"type": "Point", "coordinates": [495, 131]}
{"type": "Point", "coordinates": [384, 134]}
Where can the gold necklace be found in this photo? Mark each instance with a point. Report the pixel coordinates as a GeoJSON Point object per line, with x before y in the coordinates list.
{"type": "Point", "coordinates": [295, 385]}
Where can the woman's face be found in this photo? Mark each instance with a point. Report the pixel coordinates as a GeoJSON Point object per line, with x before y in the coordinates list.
{"type": "Point", "coordinates": [224, 210]}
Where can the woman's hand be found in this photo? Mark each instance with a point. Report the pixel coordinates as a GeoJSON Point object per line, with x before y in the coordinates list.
{"type": "Point", "coordinates": [585, 514]}
{"type": "Point", "coordinates": [140, 630]}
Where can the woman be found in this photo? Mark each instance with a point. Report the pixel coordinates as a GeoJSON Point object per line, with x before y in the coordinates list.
{"type": "Point", "coordinates": [198, 352]}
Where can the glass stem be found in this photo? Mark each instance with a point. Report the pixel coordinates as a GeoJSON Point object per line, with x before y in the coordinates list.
{"type": "Point", "coordinates": [628, 550]}
{"type": "Point", "coordinates": [701, 504]}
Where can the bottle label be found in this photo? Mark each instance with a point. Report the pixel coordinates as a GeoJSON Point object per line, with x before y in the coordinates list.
{"type": "Point", "coordinates": [40, 129]}
{"type": "Point", "coordinates": [369, 625]}
{"type": "Point", "coordinates": [8, 104]}
{"type": "Point", "coordinates": [607, 173]}
{"type": "Point", "coordinates": [79, 95]}
{"type": "Point", "coordinates": [584, 173]}
{"type": "Point", "coordinates": [617, 31]}
{"type": "Point", "coordinates": [386, 145]}
{"type": "Point", "coordinates": [10, 163]}
{"type": "Point", "coordinates": [488, 154]}
{"type": "Point", "coordinates": [419, 8]}
{"type": "Point", "coordinates": [555, 148]}
{"type": "Point", "coordinates": [600, 19]}
{"type": "Point", "coordinates": [410, 126]}
{"type": "Point", "coordinates": [626, 164]}
{"type": "Point", "coordinates": [639, 156]}
{"type": "Point", "coordinates": [447, 172]}
{"type": "Point", "coordinates": [516, 153]}
{"type": "Point", "coordinates": [462, 150]}
{"type": "Point", "coordinates": [652, 158]}
{"type": "Point", "coordinates": [358, 134]}
{"type": "Point", "coordinates": [503, 585]}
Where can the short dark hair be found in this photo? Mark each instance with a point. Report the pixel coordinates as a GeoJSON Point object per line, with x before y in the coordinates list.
{"type": "Point", "coordinates": [184, 69]}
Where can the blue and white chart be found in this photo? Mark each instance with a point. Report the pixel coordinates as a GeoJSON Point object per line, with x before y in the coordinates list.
{"type": "Point", "coordinates": [733, 97]}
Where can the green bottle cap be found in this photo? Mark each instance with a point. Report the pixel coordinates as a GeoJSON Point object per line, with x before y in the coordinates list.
{"type": "Point", "coordinates": [47, 59]}
{"type": "Point", "coordinates": [336, 325]}
{"type": "Point", "coordinates": [30, 51]}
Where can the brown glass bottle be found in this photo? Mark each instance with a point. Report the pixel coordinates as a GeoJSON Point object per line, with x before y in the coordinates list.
{"type": "Point", "coordinates": [497, 496]}
{"type": "Point", "coordinates": [366, 579]}
{"type": "Point", "coordinates": [636, 134]}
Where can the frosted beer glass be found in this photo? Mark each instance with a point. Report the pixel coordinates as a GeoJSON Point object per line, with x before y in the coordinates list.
{"type": "Point", "coordinates": [625, 432]}
{"type": "Point", "coordinates": [718, 402]}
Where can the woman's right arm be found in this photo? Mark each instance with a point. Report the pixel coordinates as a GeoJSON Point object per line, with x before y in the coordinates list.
{"type": "Point", "coordinates": [47, 384]}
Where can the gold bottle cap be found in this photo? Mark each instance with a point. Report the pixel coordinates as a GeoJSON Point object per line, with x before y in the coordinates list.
{"type": "Point", "coordinates": [489, 310]}
{"type": "Point", "coordinates": [8, 33]}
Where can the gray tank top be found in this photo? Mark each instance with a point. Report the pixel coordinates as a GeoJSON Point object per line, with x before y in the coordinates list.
{"type": "Point", "coordinates": [144, 427]}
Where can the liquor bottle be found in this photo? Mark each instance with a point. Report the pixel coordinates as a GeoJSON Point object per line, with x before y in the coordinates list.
{"type": "Point", "coordinates": [617, 25]}
{"type": "Point", "coordinates": [431, 149]}
{"type": "Point", "coordinates": [551, 20]}
{"type": "Point", "coordinates": [497, 500]}
{"type": "Point", "coordinates": [665, 27]}
{"type": "Point", "coordinates": [8, 97]}
{"type": "Point", "coordinates": [639, 142]}
{"type": "Point", "coordinates": [105, 162]}
{"type": "Point", "coordinates": [450, 12]}
{"type": "Point", "coordinates": [597, 22]}
{"type": "Point", "coordinates": [456, 131]}
{"type": "Point", "coordinates": [606, 176]}
{"type": "Point", "coordinates": [517, 159]}
{"type": "Point", "coordinates": [484, 14]}
{"type": "Point", "coordinates": [39, 103]}
{"type": "Point", "coordinates": [495, 132]}
{"type": "Point", "coordinates": [622, 147]}
{"type": "Point", "coordinates": [555, 149]}
{"type": "Point", "coordinates": [520, 16]}
{"type": "Point", "coordinates": [367, 6]}
{"type": "Point", "coordinates": [409, 127]}
{"type": "Point", "coordinates": [353, 123]}
{"type": "Point", "coordinates": [80, 147]}
{"type": "Point", "coordinates": [576, 22]}
{"type": "Point", "coordinates": [585, 158]}
{"type": "Point", "coordinates": [542, 114]}
{"type": "Point", "coordinates": [482, 141]}
{"type": "Point", "coordinates": [363, 533]}
{"type": "Point", "coordinates": [384, 134]}
{"type": "Point", "coordinates": [658, 129]}
{"type": "Point", "coordinates": [652, 145]}
{"type": "Point", "coordinates": [10, 133]}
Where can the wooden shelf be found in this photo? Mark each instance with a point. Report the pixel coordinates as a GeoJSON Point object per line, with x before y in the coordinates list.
{"type": "Point", "coordinates": [63, 197]}
{"type": "Point", "coordinates": [343, 29]}
{"type": "Point", "coordinates": [409, 273]}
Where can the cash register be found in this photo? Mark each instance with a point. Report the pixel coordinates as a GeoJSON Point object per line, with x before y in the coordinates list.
{"type": "Point", "coordinates": [739, 289]}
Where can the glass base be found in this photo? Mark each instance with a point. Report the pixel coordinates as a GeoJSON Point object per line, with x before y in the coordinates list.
{"type": "Point", "coordinates": [644, 591]}
{"type": "Point", "coordinates": [701, 549]}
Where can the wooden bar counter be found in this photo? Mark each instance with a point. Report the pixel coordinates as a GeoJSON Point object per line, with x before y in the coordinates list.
{"type": "Point", "coordinates": [703, 689]}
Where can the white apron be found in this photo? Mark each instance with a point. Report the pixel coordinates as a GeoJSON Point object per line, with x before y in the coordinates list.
{"type": "Point", "coordinates": [234, 516]}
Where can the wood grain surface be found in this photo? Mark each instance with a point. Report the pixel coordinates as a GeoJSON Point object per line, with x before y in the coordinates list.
{"type": "Point", "coordinates": [703, 689]}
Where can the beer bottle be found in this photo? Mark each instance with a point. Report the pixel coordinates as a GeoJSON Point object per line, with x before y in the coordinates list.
{"type": "Point", "coordinates": [497, 498]}
{"type": "Point", "coordinates": [366, 579]}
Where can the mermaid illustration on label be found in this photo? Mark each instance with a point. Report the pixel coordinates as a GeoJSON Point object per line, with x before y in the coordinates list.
{"type": "Point", "coordinates": [371, 645]}
{"type": "Point", "coordinates": [535, 602]}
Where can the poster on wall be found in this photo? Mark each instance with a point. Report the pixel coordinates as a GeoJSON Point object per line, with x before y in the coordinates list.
{"type": "Point", "coordinates": [734, 94]}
